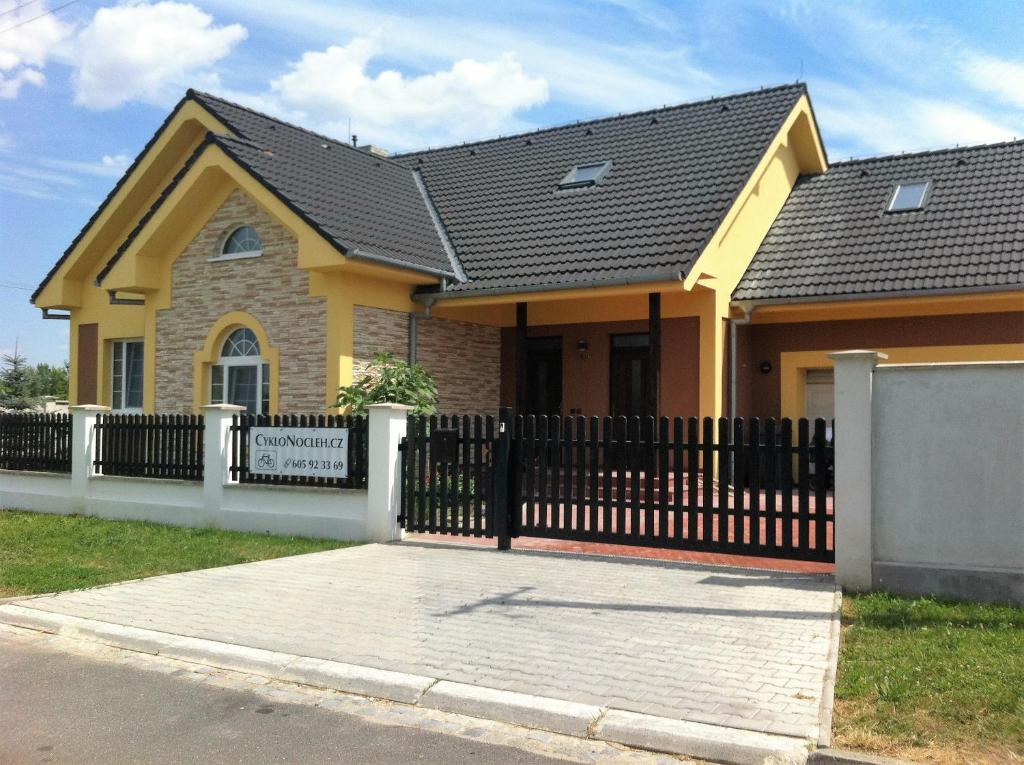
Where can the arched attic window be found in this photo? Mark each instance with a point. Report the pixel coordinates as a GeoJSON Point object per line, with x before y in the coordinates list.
{"type": "Point", "coordinates": [241, 376]}
{"type": "Point", "coordinates": [243, 242]}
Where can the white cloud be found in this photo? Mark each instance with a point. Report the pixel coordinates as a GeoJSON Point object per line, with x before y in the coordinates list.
{"type": "Point", "coordinates": [147, 53]}
{"type": "Point", "coordinates": [1001, 77]}
{"type": "Point", "coordinates": [50, 178]}
{"type": "Point", "coordinates": [25, 50]}
{"type": "Point", "coordinates": [597, 69]}
{"type": "Point", "coordinates": [890, 120]}
{"type": "Point", "coordinates": [469, 99]}
{"type": "Point", "coordinates": [109, 166]}
{"type": "Point", "coordinates": [11, 84]}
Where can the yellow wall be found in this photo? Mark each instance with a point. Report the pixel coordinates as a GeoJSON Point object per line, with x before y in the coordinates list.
{"type": "Point", "coordinates": [885, 308]}
{"type": "Point", "coordinates": [708, 287]}
{"type": "Point", "coordinates": [794, 365]}
{"type": "Point", "coordinates": [153, 172]}
{"type": "Point", "coordinates": [145, 268]}
{"type": "Point", "coordinates": [795, 150]}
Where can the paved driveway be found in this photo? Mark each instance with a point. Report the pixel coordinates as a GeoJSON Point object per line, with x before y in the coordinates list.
{"type": "Point", "coordinates": [740, 648]}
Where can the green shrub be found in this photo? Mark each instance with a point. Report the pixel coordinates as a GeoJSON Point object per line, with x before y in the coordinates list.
{"type": "Point", "coordinates": [390, 380]}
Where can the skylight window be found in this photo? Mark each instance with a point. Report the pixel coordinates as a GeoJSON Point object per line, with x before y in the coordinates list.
{"type": "Point", "coordinates": [585, 175]}
{"type": "Point", "coordinates": [909, 196]}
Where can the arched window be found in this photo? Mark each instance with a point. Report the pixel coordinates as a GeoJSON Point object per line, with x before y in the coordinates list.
{"type": "Point", "coordinates": [240, 376]}
{"type": "Point", "coordinates": [243, 242]}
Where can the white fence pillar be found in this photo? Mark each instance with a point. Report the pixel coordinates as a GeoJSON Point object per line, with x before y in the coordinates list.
{"type": "Point", "coordinates": [852, 533]}
{"type": "Point", "coordinates": [83, 451]}
{"type": "Point", "coordinates": [216, 455]}
{"type": "Point", "coordinates": [387, 428]}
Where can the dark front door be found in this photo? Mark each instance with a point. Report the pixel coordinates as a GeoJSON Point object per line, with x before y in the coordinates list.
{"type": "Point", "coordinates": [630, 369]}
{"type": "Point", "coordinates": [543, 375]}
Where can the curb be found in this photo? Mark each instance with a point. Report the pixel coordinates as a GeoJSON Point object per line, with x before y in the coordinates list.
{"type": "Point", "coordinates": [732, 746]}
{"type": "Point", "coordinates": [707, 742]}
{"type": "Point", "coordinates": [844, 757]}
{"type": "Point", "coordinates": [518, 708]}
{"type": "Point", "coordinates": [828, 691]}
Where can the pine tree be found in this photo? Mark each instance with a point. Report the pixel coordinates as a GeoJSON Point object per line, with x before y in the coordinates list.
{"type": "Point", "coordinates": [14, 381]}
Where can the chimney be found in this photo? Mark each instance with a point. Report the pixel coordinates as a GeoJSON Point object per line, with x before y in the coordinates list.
{"type": "Point", "coordinates": [376, 151]}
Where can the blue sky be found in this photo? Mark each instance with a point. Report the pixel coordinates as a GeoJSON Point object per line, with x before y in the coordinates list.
{"type": "Point", "coordinates": [82, 89]}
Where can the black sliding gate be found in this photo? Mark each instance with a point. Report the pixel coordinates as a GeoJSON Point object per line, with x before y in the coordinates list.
{"type": "Point", "coordinates": [740, 487]}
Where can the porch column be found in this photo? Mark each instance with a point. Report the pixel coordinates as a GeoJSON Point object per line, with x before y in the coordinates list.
{"type": "Point", "coordinates": [521, 320]}
{"type": "Point", "coordinates": [654, 351]}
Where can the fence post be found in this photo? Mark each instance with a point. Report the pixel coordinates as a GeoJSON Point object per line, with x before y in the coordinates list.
{"type": "Point", "coordinates": [852, 499]}
{"type": "Point", "coordinates": [216, 455]}
{"type": "Point", "coordinates": [83, 451]}
{"type": "Point", "coordinates": [503, 495]}
{"type": "Point", "coordinates": [386, 429]}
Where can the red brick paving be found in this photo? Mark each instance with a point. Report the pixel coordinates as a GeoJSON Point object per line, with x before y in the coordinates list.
{"type": "Point", "coordinates": [653, 553]}
{"type": "Point", "coordinates": [554, 515]}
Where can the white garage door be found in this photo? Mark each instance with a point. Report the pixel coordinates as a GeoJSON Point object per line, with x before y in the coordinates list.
{"type": "Point", "coordinates": [819, 395]}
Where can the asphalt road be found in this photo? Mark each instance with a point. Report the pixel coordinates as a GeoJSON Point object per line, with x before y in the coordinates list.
{"type": "Point", "coordinates": [60, 708]}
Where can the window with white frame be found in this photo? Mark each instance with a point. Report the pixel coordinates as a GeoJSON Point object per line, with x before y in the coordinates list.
{"type": "Point", "coordinates": [126, 376]}
{"type": "Point", "coordinates": [243, 242]}
{"type": "Point", "coordinates": [240, 376]}
{"type": "Point", "coordinates": [909, 196]}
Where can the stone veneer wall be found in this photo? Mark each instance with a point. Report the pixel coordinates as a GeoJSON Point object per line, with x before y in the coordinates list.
{"type": "Point", "coordinates": [377, 330]}
{"type": "Point", "coordinates": [464, 359]}
{"type": "Point", "coordinates": [271, 288]}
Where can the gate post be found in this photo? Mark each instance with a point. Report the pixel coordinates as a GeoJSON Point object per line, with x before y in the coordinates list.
{"type": "Point", "coordinates": [387, 427]}
{"type": "Point", "coordinates": [503, 475]}
{"type": "Point", "coordinates": [217, 456]}
{"type": "Point", "coordinates": [83, 452]}
{"type": "Point", "coordinates": [852, 533]}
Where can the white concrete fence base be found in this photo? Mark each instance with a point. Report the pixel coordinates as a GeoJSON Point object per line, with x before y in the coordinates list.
{"type": "Point", "coordinates": [929, 468]}
{"type": "Point", "coordinates": [218, 501]}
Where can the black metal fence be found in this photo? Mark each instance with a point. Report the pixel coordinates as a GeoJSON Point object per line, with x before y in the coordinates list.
{"type": "Point", "coordinates": [730, 486]}
{"type": "Point", "coordinates": [447, 475]}
{"type": "Point", "coordinates": [357, 449]}
{"type": "Point", "coordinates": [32, 441]}
{"type": "Point", "coordinates": [150, 445]}
{"type": "Point", "coordinates": [733, 486]}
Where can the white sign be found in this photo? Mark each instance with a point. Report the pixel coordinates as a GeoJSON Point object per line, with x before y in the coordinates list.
{"type": "Point", "coordinates": [318, 452]}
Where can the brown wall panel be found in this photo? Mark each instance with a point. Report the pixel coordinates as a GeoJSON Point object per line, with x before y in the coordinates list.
{"type": "Point", "coordinates": [586, 377]}
{"type": "Point", "coordinates": [87, 362]}
{"type": "Point", "coordinates": [758, 394]}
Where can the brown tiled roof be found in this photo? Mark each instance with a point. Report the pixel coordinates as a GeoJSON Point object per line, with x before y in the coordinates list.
{"type": "Point", "coordinates": [675, 173]}
{"type": "Point", "coordinates": [835, 238]}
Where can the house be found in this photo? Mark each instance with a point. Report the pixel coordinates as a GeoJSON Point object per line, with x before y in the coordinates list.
{"type": "Point", "coordinates": [695, 259]}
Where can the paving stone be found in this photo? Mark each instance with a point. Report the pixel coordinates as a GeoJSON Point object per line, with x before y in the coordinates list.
{"type": "Point", "coordinates": [677, 638]}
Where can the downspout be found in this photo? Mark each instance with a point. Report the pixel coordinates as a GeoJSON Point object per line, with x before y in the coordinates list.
{"type": "Point", "coordinates": [748, 314]}
{"type": "Point", "coordinates": [412, 337]}
{"type": "Point", "coordinates": [414, 319]}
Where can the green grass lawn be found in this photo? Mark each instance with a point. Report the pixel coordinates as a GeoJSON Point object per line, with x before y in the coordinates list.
{"type": "Point", "coordinates": [931, 680]}
{"type": "Point", "coordinates": [45, 553]}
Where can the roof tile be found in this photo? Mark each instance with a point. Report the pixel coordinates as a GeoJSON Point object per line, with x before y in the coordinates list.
{"type": "Point", "coordinates": [834, 238]}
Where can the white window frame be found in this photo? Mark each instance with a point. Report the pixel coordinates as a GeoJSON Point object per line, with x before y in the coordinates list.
{"type": "Point", "coordinates": [225, 362]}
{"type": "Point", "coordinates": [221, 255]}
{"type": "Point", "coordinates": [896, 192]}
{"type": "Point", "coordinates": [570, 181]}
{"type": "Point", "coordinates": [123, 342]}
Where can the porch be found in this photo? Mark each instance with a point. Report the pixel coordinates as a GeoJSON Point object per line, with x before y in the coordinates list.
{"type": "Point", "coordinates": [633, 351]}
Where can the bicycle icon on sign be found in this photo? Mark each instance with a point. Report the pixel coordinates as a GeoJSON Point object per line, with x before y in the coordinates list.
{"type": "Point", "coordinates": [266, 461]}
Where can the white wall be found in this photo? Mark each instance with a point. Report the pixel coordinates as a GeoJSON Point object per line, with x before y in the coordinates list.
{"type": "Point", "coordinates": [218, 502]}
{"type": "Point", "coordinates": [948, 479]}
{"type": "Point", "coordinates": [294, 511]}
